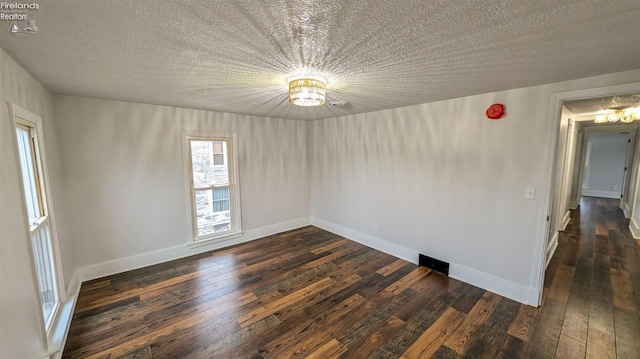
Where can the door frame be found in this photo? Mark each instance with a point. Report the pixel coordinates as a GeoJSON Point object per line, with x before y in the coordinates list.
{"type": "Point", "coordinates": [630, 171]}
{"type": "Point", "coordinates": [545, 207]}
{"type": "Point", "coordinates": [561, 165]}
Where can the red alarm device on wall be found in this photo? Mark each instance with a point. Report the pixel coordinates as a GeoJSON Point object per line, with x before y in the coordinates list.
{"type": "Point", "coordinates": [495, 111]}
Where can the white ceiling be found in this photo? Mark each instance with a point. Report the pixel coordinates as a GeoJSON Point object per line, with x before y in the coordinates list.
{"type": "Point", "coordinates": [234, 56]}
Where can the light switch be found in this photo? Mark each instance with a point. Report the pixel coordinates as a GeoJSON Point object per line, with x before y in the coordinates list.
{"type": "Point", "coordinates": [530, 193]}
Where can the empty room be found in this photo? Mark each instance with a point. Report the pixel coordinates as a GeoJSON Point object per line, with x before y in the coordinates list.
{"type": "Point", "coordinates": [319, 179]}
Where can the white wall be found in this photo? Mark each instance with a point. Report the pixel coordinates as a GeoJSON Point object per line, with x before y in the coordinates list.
{"type": "Point", "coordinates": [125, 182]}
{"type": "Point", "coordinates": [605, 168]}
{"type": "Point", "coordinates": [441, 179]}
{"type": "Point", "coordinates": [20, 323]}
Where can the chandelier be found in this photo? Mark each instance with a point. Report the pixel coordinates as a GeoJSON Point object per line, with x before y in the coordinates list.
{"type": "Point", "coordinates": [626, 115]}
{"type": "Point", "coordinates": [307, 90]}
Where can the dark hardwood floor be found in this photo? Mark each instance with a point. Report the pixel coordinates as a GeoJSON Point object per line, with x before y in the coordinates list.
{"type": "Point", "coordinates": [310, 293]}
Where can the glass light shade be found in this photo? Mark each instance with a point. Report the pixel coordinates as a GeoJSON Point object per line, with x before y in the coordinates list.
{"type": "Point", "coordinates": [600, 119]}
{"type": "Point", "coordinates": [307, 90]}
{"type": "Point", "coordinates": [625, 116]}
{"type": "Point", "coordinates": [628, 115]}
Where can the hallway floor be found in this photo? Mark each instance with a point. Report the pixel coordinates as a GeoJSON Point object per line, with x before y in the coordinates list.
{"type": "Point", "coordinates": [591, 303]}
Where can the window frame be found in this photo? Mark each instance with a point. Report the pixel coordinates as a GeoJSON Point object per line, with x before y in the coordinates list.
{"type": "Point", "coordinates": [231, 160]}
{"type": "Point", "coordinates": [24, 119]}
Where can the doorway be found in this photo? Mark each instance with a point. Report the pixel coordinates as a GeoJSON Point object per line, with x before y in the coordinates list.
{"type": "Point", "coordinates": [569, 150]}
{"type": "Point", "coordinates": [604, 165]}
{"type": "Point", "coordinates": [592, 159]}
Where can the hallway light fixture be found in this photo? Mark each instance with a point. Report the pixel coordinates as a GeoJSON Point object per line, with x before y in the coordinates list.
{"type": "Point", "coordinates": [307, 90]}
{"type": "Point", "coordinates": [626, 115]}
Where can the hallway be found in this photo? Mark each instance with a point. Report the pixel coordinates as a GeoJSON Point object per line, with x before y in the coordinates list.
{"type": "Point", "coordinates": [591, 303]}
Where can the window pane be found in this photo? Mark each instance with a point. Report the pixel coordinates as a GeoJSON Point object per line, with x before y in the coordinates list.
{"type": "Point", "coordinates": [221, 193]}
{"type": "Point", "coordinates": [218, 159]}
{"type": "Point", "coordinates": [206, 173]}
{"type": "Point", "coordinates": [221, 200]}
{"type": "Point", "coordinates": [27, 166]}
{"type": "Point", "coordinates": [41, 243]}
{"type": "Point", "coordinates": [213, 211]}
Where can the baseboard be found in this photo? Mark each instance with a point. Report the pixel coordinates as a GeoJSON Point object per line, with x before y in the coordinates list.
{"type": "Point", "coordinates": [60, 331]}
{"type": "Point", "coordinates": [471, 276]}
{"type": "Point", "coordinates": [551, 249]}
{"type": "Point", "coordinates": [535, 297]}
{"type": "Point", "coordinates": [276, 228]}
{"type": "Point", "coordinates": [382, 245]}
{"type": "Point", "coordinates": [74, 283]}
{"type": "Point", "coordinates": [573, 205]}
{"type": "Point", "coordinates": [497, 285]}
{"type": "Point", "coordinates": [602, 194]}
{"type": "Point", "coordinates": [168, 254]}
{"type": "Point", "coordinates": [565, 220]}
{"type": "Point", "coordinates": [626, 211]}
{"type": "Point", "coordinates": [635, 229]}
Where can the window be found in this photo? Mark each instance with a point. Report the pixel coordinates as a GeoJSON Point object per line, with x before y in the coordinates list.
{"type": "Point", "coordinates": [38, 211]}
{"type": "Point", "coordinates": [218, 154]}
{"type": "Point", "coordinates": [213, 190]}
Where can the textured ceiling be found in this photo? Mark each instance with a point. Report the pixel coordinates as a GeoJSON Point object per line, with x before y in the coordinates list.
{"type": "Point", "coordinates": [234, 56]}
{"type": "Point", "coordinates": [592, 106]}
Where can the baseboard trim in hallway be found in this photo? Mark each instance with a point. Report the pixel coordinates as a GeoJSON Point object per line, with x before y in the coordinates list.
{"type": "Point", "coordinates": [635, 229]}
{"type": "Point", "coordinates": [551, 249]}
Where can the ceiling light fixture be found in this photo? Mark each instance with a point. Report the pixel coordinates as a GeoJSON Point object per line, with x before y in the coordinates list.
{"type": "Point", "coordinates": [626, 115]}
{"type": "Point", "coordinates": [601, 119]}
{"type": "Point", "coordinates": [307, 90]}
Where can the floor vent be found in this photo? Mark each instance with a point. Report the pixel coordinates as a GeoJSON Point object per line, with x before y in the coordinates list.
{"type": "Point", "coordinates": [434, 264]}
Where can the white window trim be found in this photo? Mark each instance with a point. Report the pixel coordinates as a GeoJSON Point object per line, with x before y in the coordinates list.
{"type": "Point", "coordinates": [18, 114]}
{"type": "Point", "coordinates": [236, 232]}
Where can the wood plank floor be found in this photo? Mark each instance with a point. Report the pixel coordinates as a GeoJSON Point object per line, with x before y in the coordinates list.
{"type": "Point", "coordinates": [311, 294]}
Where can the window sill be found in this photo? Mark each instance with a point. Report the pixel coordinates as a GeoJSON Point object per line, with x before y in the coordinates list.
{"type": "Point", "coordinates": [60, 328]}
{"type": "Point", "coordinates": [224, 238]}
